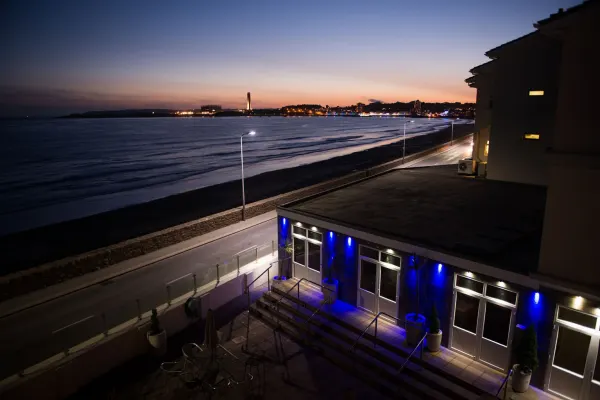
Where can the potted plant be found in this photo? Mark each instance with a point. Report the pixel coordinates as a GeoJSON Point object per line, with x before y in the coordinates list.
{"type": "Point", "coordinates": [280, 278]}
{"type": "Point", "coordinates": [434, 334]}
{"type": "Point", "coordinates": [527, 359]}
{"type": "Point", "coordinates": [157, 337]}
{"type": "Point", "coordinates": [415, 322]}
{"type": "Point", "coordinates": [330, 287]}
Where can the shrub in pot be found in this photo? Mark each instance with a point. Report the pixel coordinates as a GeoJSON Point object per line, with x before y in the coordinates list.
{"type": "Point", "coordinates": [414, 326]}
{"type": "Point", "coordinates": [157, 337]}
{"type": "Point", "coordinates": [527, 359]}
{"type": "Point", "coordinates": [434, 333]}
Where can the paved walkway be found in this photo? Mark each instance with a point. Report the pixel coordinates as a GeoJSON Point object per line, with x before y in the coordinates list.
{"type": "Point", "coordinates": [305, 375]}
{"type": "Point", "coordinates": [457, 364]}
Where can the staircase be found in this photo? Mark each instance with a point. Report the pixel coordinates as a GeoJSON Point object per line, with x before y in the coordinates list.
{"type": "Point", "coordinates": [335, 339]}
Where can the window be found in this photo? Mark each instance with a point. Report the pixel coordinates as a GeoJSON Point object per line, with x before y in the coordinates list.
{"type": "Point", "coordinates": [497, 323]}
{"type": "Point", "coordinates": [299, 251]}
{"type": "Point", "coordinates": [369, 252]}
{"type": "Point", "coordinates": [571, 350]}
{"type": "Point", "coordinates": [486, 149]}
{"type": "Point", "coordinates": [466, 312]}
{"type": "Point", "coordinates": [536, 92]}
{"type": "Point", "coordinates": [314, 256]}
{"type": "Point", "coordinates": [575, 317]}
{"type": "Point", "coordinates": [390, 259]}
{"type": "Point", "coordinates": [501, 294]}
{"type": "Point", "coordinates": [368, 274]}
{"type": "Point", "coordinates": [299, 231]}
{"type": "Point", "coordinates": [388, 283]}
{"type": "Point", "coordinates": [531, 136]}
{"type": "Point", "coordinates": [470, 284]}
{"type": "Point", "coordinates": [315, 236]}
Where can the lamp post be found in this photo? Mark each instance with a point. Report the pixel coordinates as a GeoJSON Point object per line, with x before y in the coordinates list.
{"type": "Point", "coordinates": [251, 133]}
{"type": "Point", "coordinates": [404, 141]}
{"type": "Point", "coordinates": [452, 130]}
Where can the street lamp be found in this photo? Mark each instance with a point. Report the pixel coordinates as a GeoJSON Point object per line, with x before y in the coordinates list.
{"type": "Point", "coordinates": [251, 133]}
{"type": "Point", "coordinates": [452, 134]}
{"type": "Point", "coordinates": [404, 141]}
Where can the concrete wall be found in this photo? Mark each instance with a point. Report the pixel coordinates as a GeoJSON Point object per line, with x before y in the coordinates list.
{"type": "Point", "coordinates": [571, 236]}
{"type": "Point", "coordinates": [528, 65]}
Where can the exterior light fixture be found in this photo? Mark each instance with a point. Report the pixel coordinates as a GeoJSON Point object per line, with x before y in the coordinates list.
{"type": "Point", "coordinates": [440, 266]}
{"type": "Point", "coordinates": [501, 284]}
{"type": "Point", "coordinates": [314, 229]}
{"type": "Point", "coordinates": [469, 274]}
{"type": "Point", "coordinates": [284, 221]}
{"type": "Point", "coordinates": [536, 297]}
{"type": "Point", "coordinates": [349, 241]}
{"type": "Point", "coordinates": [577, 301]}
{"type": "Point", "coordinates": [330, 235]}
{"type": "Point", "coordinates": [389, 251]}
{"type": "Point", "coordinates": [298, 224]}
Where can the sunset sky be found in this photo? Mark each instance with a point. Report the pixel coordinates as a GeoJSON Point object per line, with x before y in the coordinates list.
{"type": "Point", "coordinates": [66, 56]}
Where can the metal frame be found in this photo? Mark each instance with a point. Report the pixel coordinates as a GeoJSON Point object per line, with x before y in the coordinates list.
{"type": "Point", "coordinates": [307, 240]}
{"type": "Point", "coordinates": [481, 313]}
{"type": "Point", "coordinates": [591, 359]}
{"type": "Point", "coordinates": [379, 264]}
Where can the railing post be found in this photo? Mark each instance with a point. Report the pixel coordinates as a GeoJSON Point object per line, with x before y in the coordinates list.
{"type": "Point", "coordinates": [195, 285]}
{"type": "Point", "coordinates": [139, 309]}
{"type": "Point", "coordinates": [238, 263]}
{"type": "Point", "coordinates": [269, 277]}
{"type": "Point", "coordinates": [218, 278]}
{"type": "Point", "coordinates": [104, 325]}
{"type": "Point", "coordinates": [375, 336]}
{"type": "Point", "coordinates": [256, 255]}
{"type": "Point", "coordinates": [421, 353]}
{"type": "Point", "coordinates": [272, 247]}
{"type": "Point", "coordinates": [298, 293]}
{"type": "Point", "coordinates": [169, 294]}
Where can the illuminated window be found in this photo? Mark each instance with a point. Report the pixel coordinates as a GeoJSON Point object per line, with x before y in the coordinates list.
{"type": "Point", "coordinates": [486, 149]}
{"type": "Point", "coordinates": [531, 136]}
{"type": "Point", "coordinates": [536, 92]}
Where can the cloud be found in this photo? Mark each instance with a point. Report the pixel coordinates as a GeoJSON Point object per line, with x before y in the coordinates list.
{"type": "Point", "coordinates": [376, 101]}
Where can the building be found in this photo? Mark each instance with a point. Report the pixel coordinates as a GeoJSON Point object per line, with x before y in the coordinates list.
{"type": "Point", "coordinates": [494, 255]}
{"type": "Point", "coordinates": [416, 108]}
{"type": "Point", "coordinates": [248, 102]}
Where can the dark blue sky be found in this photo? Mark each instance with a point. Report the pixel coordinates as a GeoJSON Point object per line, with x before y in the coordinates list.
{"type": "Point", "coordinates": [72, 55]}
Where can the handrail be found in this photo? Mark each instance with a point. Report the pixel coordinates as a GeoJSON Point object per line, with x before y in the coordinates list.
{"type": "Point", "coordinates": [255, 279]}
{"type": "Point", "coordinates": [504, 382]}
{"type": "Point", "coordinates": [371, 323]}
{"type": "Point", "coordinates": [327, 301]}
{"type": "Point", "coordinates": [298, 284]}
{"type": "Point", "coordinates": [412, 353]}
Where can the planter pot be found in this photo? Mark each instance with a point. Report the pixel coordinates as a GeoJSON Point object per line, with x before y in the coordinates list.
{"type": "Point", "coordinates": [158, 342]}
{"type": "Point", "coordinates": [330, 290]}
{"type": "Point", "coordinates": [415, 327]}
{"type": "Point", "coordinates": [434, 341]}
{"type": "Point", "coordinates": [277, 281]}
{"type": "Point", "coordinates": [520, 379]}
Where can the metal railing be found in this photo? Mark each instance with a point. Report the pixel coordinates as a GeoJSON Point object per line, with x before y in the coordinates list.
{"type": "Point", "coordinates": [374, 320]}
{"type": "Point", "coordinates": [71, 337]}
{"type": "Point", "coordinates": [297, 284]}
{"type": "Point", "coordinates": [413, 353]}
{"type": "Point", "coordinates": [326, 301]}
{"type": "Point", "coordinates": [504, 384]}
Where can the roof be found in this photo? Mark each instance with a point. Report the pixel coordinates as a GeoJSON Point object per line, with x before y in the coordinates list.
{"type": "Point", "coordinates": [493, 53]}
{"type": "Point", "coordinates": [492, 222]}
{"type": "Point", "coordinates": [561, 13]}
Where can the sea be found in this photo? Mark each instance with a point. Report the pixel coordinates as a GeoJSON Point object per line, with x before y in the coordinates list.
{"type": "Point", "coordinates": [55, 170]}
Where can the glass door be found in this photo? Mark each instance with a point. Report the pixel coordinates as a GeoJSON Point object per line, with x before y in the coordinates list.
{"type": "Point", "coordinates": [483, 320]}
{"type": "Point", "coordinates": [307, 253]}
{"type": "Point", "coordinates": [378, 281]}
{"type": "Point", "coordinates": [573, 372]}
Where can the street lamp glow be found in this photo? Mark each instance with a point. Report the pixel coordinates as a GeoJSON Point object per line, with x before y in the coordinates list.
{"type": "Point", "coordinates": [252, 133]}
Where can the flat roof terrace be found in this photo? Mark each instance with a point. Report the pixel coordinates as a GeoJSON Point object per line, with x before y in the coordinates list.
{"type": "Point", "coordinates": [492, 222]}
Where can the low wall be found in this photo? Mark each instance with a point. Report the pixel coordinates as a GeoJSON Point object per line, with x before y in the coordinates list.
{"type": "Point", "coordinates": [32, 279]}
{"type": "Point", "coordinates": [65, 377]}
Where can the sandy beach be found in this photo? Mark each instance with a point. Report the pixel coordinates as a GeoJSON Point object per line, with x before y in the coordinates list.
{"type": "Point", "coordinates": [34, 247]}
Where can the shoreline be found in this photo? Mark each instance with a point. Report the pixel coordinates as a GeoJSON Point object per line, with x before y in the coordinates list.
{"type": "Point", "coordinates": [27, 249]}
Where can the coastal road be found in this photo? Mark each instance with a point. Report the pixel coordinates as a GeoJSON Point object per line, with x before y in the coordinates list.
{"type": "Point", "coordinates": [116, 297]}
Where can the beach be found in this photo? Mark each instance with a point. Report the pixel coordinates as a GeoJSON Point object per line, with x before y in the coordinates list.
{"type": "Point", "coordinates": [41, 245]}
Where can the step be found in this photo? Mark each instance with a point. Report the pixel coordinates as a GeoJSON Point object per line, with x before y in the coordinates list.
{"type": "Point", "coordinates": [404, 384]}
{"type": "Point", "coordinates": [466, 387]}
{"type": "Point", "coordinates": [277, 322]}
{"type": "Point", "coordinates": [412, 377]}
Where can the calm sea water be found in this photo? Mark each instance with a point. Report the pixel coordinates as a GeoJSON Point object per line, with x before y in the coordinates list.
{"type": "Point", "coordinates": [55, 170]}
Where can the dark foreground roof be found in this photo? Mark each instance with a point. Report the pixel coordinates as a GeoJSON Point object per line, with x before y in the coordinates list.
{"type": "Point", "coordinates": [493, 222]}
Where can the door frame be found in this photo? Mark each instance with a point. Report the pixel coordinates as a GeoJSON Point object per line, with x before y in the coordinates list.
{"type": "Point", "coordinates": [378, 265]}
{"type": "Point", "coordinates": [307, 240]}
{"type": "Point", "coordinates": [591, 359]}
{"type": "Point", "coordinates": [482, 308]}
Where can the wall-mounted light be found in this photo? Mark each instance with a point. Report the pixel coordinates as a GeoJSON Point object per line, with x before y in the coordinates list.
{"type": "Point", "coordinates": [284, 221]}
{"type": "Point", "coordinates": [501, 284]}
{"type": "Point", "coordinates": [314, 229]}
{"type": "Point", "coordinates": [536, 297]}
{"type": "Point", "coordinates": [597, 311]}
{"type": "Point", "coordinates": [440, 266]}
{"type": "Point", "coordinates": [349, 241]}
{"type": "Point", "coordinates": [389, 251]}
{"type": "Point", "coordinates": [298, 224]}
{"type": "Point", "coordinates": [469, 274]}
{"type": "Point", "coordinates": [536, 92]}
{"type": "Point", "coordinates": [577, 302]}
{"type": "Point", "coordinates": [330, 235]}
